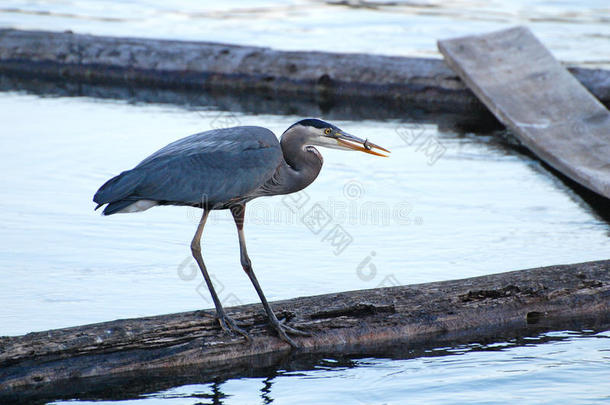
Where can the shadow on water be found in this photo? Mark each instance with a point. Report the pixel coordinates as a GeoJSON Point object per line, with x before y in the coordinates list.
{"type": "Point", "coordinates": [591, 201]}
{"type": "Point", "coordinates": [599, 205]}
{"type": "Point", "coordinates": [163, 383]}
{"type": "Point", "coordinates": [475, 119]}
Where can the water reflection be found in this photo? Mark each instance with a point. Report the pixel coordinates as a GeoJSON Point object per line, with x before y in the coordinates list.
{"type": "Point", "coordinates": [266, 390]}
{"type": "Point", "coordinates": [346, 108]}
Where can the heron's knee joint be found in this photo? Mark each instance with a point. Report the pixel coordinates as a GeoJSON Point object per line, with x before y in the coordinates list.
{"type": "Point", "coordinates": [246, 264]}
{"type": "Point", "coordinates": [195, 247]}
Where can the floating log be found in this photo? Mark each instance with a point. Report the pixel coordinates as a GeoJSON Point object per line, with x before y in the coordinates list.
{"type": "Point", "coordinates": [329, 78]}
{"type": "Point", "coordinates": [546, 108]}
{"type": "Point", "coordinates": [363, 321]}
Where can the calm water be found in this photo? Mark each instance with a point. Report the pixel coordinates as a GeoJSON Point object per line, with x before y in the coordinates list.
{"type": "Point", "coordinates": [446, 205]}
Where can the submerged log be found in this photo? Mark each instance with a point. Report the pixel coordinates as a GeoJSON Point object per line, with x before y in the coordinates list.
{"type": "Point", "coordinates": [326, 77]}
{"type": "Point", "coordinates": [347, 322]}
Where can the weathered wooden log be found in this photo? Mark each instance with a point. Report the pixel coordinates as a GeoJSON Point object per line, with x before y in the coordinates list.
{"type": "Point", "coordinates": [325, 77]}
{"type": "Point", "coordinates": [349, 322]}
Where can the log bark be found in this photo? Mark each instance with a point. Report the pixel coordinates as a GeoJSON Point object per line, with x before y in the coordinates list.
{"type": "Point", "coordinates": [329, 78]}
{"type": "Point", "coordinates": [366, 321]}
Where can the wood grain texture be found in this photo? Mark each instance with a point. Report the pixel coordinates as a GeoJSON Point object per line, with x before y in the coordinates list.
{"type": "Point", "coordinates": [347, 322]}
{"type": "Point", "coordinates": [529, 91]}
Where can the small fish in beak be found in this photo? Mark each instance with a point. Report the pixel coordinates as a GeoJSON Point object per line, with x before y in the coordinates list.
{"type": "Point", "coordinates": [363, 145]}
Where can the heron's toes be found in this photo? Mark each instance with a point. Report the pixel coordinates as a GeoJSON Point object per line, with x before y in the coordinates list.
{"type": "Point", "coordinates": [284, 330]}
{"type": "Point", "coordinates": [292, 330]}
{"type": "Point", "coordinates": [230, 326]}
{"type": "Point", "coordinates": [284, 336]}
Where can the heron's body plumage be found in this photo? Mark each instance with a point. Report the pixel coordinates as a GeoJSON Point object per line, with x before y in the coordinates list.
{"type": "Point", "coordinates": [212, 169]}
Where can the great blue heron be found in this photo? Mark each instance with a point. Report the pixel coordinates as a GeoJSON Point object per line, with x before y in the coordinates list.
{"type": "Point", "coordinates": [224, 169]}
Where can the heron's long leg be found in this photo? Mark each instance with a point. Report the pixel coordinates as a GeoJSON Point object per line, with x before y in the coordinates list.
{"type": "Point", "coordinates": [226, 322]}
{"type": "Point", "coordinates": [238, 215]}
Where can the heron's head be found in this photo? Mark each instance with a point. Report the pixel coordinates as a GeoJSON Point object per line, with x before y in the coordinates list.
{"type": "Point", "coordinates": [320, 133]}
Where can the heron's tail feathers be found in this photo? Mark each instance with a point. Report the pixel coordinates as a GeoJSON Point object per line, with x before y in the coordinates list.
{"type": "Point", "coordinates": [116, 192]}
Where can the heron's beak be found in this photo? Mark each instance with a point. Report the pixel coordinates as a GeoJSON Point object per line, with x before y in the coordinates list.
{"type": "Point", "coordinates": [363, 145]}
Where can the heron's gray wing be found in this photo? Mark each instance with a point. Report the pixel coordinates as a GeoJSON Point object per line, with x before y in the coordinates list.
{"type": "Point", "coordinates": [213, 167]}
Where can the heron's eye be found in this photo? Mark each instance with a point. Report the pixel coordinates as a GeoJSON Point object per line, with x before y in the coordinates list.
{"type": "Point", "coordinates": [327, 131]}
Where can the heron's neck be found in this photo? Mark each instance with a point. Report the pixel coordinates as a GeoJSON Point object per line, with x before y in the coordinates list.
{"type": "Point", "coordinates": [303, 163]}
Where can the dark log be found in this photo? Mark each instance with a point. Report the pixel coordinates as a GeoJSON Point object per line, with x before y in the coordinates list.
{"type": "Point", "coordinates": [348, 322]}
{"type": "Point", "coordinates": [328, 78]}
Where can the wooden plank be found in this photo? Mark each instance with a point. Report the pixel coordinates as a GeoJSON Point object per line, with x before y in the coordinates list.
{"type": "Point", "coordinates": [529, 91]}
{"type": "Point", "coordinates": [364, 321]}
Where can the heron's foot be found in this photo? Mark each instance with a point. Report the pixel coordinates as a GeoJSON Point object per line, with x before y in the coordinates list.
{"type": "Point", "coordinates": [230, 326]}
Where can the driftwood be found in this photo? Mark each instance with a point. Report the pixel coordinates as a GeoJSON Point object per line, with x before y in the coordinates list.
{"type": "Point", "coordinates": [328, 78]}
{"type": "Point", "coordinates": [366, 321]}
